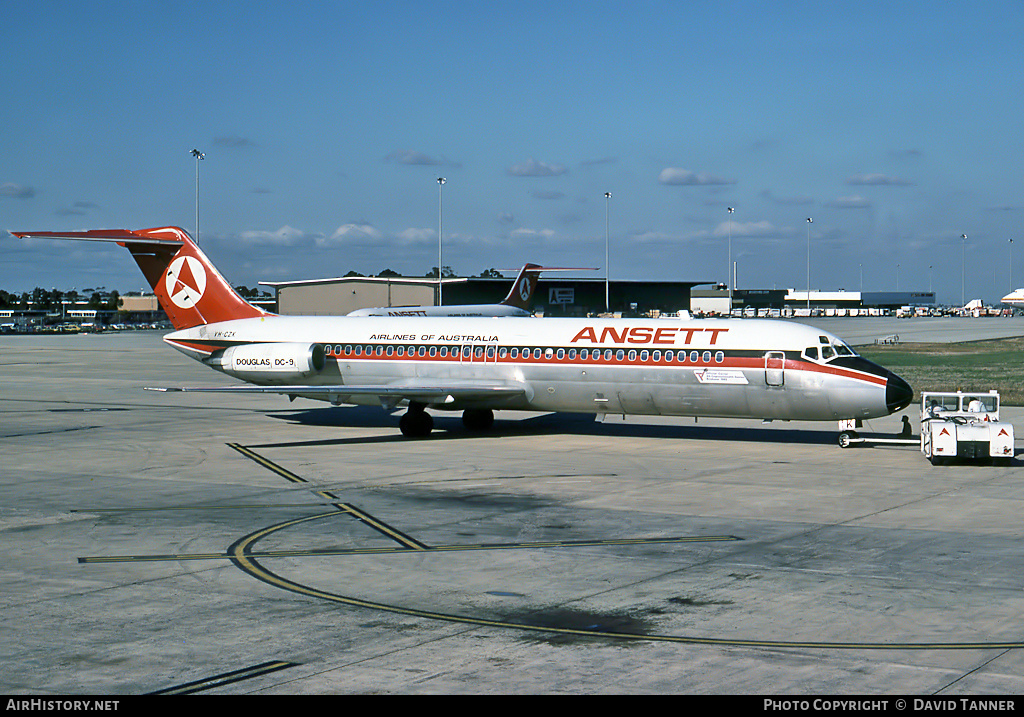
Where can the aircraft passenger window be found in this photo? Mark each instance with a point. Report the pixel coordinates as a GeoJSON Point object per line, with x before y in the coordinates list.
{"type": "Point", "coordinates": [632, 355]}
{"type": "Point", "coordinates": [669, 355]}
{"type": "Point", "coordinates": [433, 351]}
{"type": "Point", "coordinates": [656, 356]}
{"type": "Point", "coordinates": [479, 351]}
{"type": "Point", "coordinates": [502, 352]}
{"type": "Point", "coordinates": [369, 351]}
{"type": "Point", "coordinates": [619, 355]}
{"type": "Point", "coordinates": [607, 354]}
{"type": "Point", "coordinates": [720, 357]}
{"type": "Point", "coordinates": [514, 353]}
{"type": "Point", "coordinates": [490, 352]}
{"type": "Point", "coordinates": [706, 357]}
{"type": "Point", "coordinates": [391, 350]}
{"type": "Point", "coordinates": [444, 351]}
{"type": "Point", "coordinates": [359, 350]}
{"type": "Point", "coordinates": [455, 351]}
{"type": "Point", "coordinates": [400, 351]}
{"type": "Point", "coordinates": [584, 354]}
{"type": "Point", "coordinates": [548, 353]}
{"type": "Point", "coordinates": [694, 356]}
{"type": "Point", "coordinates": [572, 354]}
{"type": "Point", "coordinates": [348, 350]}
{"type": "Point", "coordinates": [423, 351]}
{"type": "Point", "coordinates": [644, 355]}
{"type": "Point", "coordinates": [536, 353]}
{"type": "Point", "coordinates": [561, 354]}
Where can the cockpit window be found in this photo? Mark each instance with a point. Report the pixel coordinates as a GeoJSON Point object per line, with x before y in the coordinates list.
{"type": "Point", "coordinates": [827, 352]}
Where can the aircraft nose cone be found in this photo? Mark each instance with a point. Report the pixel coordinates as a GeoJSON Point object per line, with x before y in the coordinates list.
{"type": "Point", "coordinates": [898, 393]}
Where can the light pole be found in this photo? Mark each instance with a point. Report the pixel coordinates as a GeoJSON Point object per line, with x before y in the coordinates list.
{"type": "Point", "coordinates": [728, 274]}
{"type": "Point", "coordinates": [440, 265]}
{"type": "Point", "coordinates": [809, 221]}
{"type": "Point", "coordinates": [607, 202]}
{"type": "Point", "coordinates": [963, 274]}
{"type": "Point", "coordinates": [199, 156]}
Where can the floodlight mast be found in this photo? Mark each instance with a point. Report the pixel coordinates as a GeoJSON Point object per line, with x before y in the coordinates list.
{"type": "Point", "coordinates": [440, 265]}
{"type": "Point", "coordinates": [607, 201]}
{"type": "Point", "coordinates": [199, 156]}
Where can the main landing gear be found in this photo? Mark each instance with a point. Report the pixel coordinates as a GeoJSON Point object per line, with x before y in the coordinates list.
{"type": "Point", "coordinates": [417, 423]}
{"type": "Point", "coordinates": [478, 419]}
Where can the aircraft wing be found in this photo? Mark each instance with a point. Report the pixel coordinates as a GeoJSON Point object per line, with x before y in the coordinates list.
{"type": "Point", "coordinates": [433, 392]}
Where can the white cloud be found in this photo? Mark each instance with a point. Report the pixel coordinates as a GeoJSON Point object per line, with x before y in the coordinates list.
{"type": "Point", "coordinates": [877, 180]}
{"type": "Point", "coordinates": [351, 234]}
{"type": "Point", "coordinates": [409, 156]}
{"type": "Point", "coordinates": [285, 236]}
{"type": "Point", "coordinates": [763, 228]}
{"type": "Point", "coordinates": [533, 168]}
{"type": "Point", "coordinates": [524, 233]}
{"type": "Point", "coordinates": [415, 235]}
{"type": "Point", "coordinates": [684, 177]}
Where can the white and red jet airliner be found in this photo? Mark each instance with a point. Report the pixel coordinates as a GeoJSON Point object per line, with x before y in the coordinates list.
{"type": "Point", "coordinates": [738, 368]}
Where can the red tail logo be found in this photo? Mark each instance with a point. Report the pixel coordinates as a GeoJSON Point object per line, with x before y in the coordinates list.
{"type": "Point", "coordinates": [186, 282]}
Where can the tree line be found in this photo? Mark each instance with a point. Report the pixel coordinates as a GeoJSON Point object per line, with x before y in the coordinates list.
{"type": "Point", "coordinates": [48, 299]}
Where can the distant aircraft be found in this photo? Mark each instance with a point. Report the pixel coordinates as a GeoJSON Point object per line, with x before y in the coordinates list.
{"type": "Point", "coordinates": [728, 368]}
{"type": "Point", "coordinates": [517, 303]}
{"type": "Point", "coordinates": [1014, 298]}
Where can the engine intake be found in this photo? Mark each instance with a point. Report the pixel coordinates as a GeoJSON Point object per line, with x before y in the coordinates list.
{"type": "Point", "coordinates": [280, 363]}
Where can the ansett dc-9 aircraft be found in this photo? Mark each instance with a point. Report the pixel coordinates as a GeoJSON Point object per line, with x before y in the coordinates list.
{"type": "Point", "coordinates": [732, 368]}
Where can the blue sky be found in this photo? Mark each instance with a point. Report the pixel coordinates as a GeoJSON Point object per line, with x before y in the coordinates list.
{"type": "Point", "coordinates": [895, 126]}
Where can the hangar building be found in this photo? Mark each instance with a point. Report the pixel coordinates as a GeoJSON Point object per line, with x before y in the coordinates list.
{"type": "Point", "coordinates": [554, 296]}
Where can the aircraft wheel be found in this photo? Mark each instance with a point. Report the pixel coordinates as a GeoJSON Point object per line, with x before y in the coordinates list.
{"type": "Point", "coordinates": [478, 419]}
{"type": "Point", "coordinates": [416, 424]}
{"type": "Point", "coordinates": [846, 438]}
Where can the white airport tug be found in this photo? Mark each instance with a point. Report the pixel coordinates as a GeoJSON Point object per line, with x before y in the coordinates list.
{"type": "Point", "coordinates": [964, 425]}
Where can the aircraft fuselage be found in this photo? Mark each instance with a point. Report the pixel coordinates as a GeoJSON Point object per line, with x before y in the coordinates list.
{"type": "Point", "coordinates": [725, 368]}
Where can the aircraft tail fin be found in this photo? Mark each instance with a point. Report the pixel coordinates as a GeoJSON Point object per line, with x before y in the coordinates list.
{"type": "Point", "coordinates": [189, 288]}
{"type": "Point", "coordinates": [525, 284]}
{"type": "Point", "coordinates": [522, 288]}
